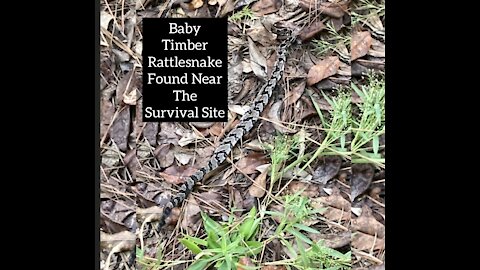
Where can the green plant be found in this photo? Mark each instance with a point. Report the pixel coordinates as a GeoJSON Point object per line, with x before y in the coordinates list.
{"type": "Point", "coordinates": [364, 10]}
{"type": "Point", "coordinates": [245, 13]}
{"type": "Point", "coordinates": [333, 41]}
{"type": "Point", "coordinates": [224, 244]}
{"type": "Point", "coordinates": [336, 127]}
{"type": "Point", "coordinates": [370, 124]}
{"type": "Point", "coordinates": [308, 254]}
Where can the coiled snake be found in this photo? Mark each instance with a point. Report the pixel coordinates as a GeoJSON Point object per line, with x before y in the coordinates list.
{"type": "Point", "coordinates": [247, 121]}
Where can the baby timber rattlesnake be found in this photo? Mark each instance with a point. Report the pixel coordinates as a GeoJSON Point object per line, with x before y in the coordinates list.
{"type": "Point", "coordinates": [247, 122]}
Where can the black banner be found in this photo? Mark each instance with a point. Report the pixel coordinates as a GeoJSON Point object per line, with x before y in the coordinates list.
{"type": "Point", "coordinates": [185, 70]}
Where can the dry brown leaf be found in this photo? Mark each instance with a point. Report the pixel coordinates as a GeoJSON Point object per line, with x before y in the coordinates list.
{"type": "Point", "coordinates": [377, 49]}
{"type": "Point", "coordinates": [257, 189]}
{"type": "Point", "coordinates": [264, 7]}
{"type": "Point", "coordinates": [361, 42]}
{"type": "Point", "coordinates": [336, 215]}
{"type": "Point", "coordinates": [163, 154]}
{"type": "Point", "coordinates": [336, 240]}
{"type": "Point", "coordinates": [237, 200]}
{"type": "Point", "coordinates": [168, 133]}
{"type": "Point", "coordinates": [311, 30]}
{"type": "Point", "coordinates": [120, 128]}
{"type": "Point", "coordinates": [108, 241]}
{"type": "Point", "coordinates": [363, 241]}
{"type": "Point", "coordinates": [191, 215]}
{"type": "Point", "coordinates": [105, 18]}
{"type": "Point", "coordinates": [125, 85]}
{"type": "Point", "coordinates": [150, 132]}
{"type": "Point", "coordinates": [258, 62]}
{"type": "Point", "coordinates": [260, 34]}
{"type": "Point", "coordinates": [183, 158]}
{"type": "Point", "coordinates": [335, 200]}
{"type": "Point", "coordinates": [333, 9]}
{"type": "Point", "coordinates": [107, 111]}
{"type": "Point", "coordinates": [188, 138]}
{"type": "Point", "coordinates": [295, 93]}
{"type": "Point", "coordinates": [245, 261]}
{"type": "Point", "coordinates": [274, 116]}
{"type": "Point", "coordinates": [216, 129]}
{"type": "Point", "coordinates": [130, 98]}
{"type": "Point", "coordinates": [177, 174]}
{"type": "Point", "coordinates": [194, 4]}
{"type": "Point", "coordinates": [327, 169]}
{"type": "Point", "coordinates": [248, 164]}
{"type": "Point", "coordinates": [308, 189]}
{"type": "Point", "coordinates": [362, 175]}
{"type": "Point", "coordinates": [323, 69]}
{"type": "Point", "coordinates": [368, 224]}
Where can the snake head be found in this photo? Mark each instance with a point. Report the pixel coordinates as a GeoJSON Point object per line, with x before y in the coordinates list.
{"type": "Point", "coordinates": [286, 31]}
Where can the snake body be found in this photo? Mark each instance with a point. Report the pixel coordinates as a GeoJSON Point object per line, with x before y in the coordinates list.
{"type": "Point", "coordinates": [247, 121]}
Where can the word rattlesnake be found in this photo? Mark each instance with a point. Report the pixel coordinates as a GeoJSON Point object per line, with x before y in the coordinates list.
{"type": "Point", "coordinates": [247, 121]}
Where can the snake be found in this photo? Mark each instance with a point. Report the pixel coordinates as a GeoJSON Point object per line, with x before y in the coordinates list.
{"type": "Point", "coordinates": [247, 121]}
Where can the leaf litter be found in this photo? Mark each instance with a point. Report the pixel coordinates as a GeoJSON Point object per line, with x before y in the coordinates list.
{"type": "Point", "coordinates": [167, 153]}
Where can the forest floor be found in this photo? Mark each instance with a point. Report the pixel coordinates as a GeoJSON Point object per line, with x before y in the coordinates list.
{"type": "Point", "coordinates": [305, 189]}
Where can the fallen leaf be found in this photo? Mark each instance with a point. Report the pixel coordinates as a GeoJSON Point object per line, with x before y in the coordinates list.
{"type": "Point", "coordinates": [216, 129]}
{"type": "Point", "coordinates": [249, 163]}
{"type": "Point", "coordinates": [362, 175]}
{"type": "Point", "coordinates": [332, 240]}
{"type": "Point", "coordinates": [361, 42]}
{"type": "Point", "coordinates": [257, 189]}
{"type": "Point", "coordinates": [334, 9]}
{"type": "Point", "coordinates": [110, 158]}
{"type": "Point", "coordinates": [130, 98]}
{"type": "Point", "coordinates": [323, 69]}
{"type": "Point", "coordinates": [164, 156]}
{"type": "Point", "coordinates": [188, 138]}
{"type": "Point", "coordinates": [260, 34]}
{"type": "Point", "coordinates": [150, 132]}
{"type": "Point", "coordinates": [264, 7]}
{"type": "Point", "coordinates": [121, 128]}
{"type": "Point", "coordinates": [105, 18]}
{"type": "Point", "coordinates": [245, 261]}
{"type": "Point", "coordinates": [183, 158]}
{"type": "Point", "coordinates": [363, 241]}
{"type": "Point", "coordinates": [258, 62]}
{"type": "Point", "coordinates": [108, 241]}
{"type": "Point", "coordinates": [373, 63]}
{"type": "Point", "coordinates": [129, 157]}
{"type": "Point", "coordinates": [241, 110]}
{"type": "Point", "coordinates": [191, 215]}
{"type": "Point", "coordinates": [309, 190]}
{"type": "Point", "coordinates": [310, 31]}
{"type": "Point", "coordinates": [107, 110]}
{"type": "Point", "coordinates": [335, 200]}
{"type": "Point", "coordinates": [336, 215]}
{"type": "Point", "coordinates": [375, 22]}
{"type": "Point", "coordinates": [125, 84]}
{"type": "Point", "coordinates": [194, 4]}
{"type": "Point", "coordinates": [295, 93]}
{"type": "Point", "coordinates": [177, 174]}
{"type": "Point", "coordinates": [327, 169]}
{"type": "Point", "coordinates": [367, 223]}
{"type": "Point", "coordinates": [168, 133]}
{"type": "Point", "coordinates": [377, 49]}
{"type": "Point", "coordinates": [117, 216]}
{"type": "Point", "coordinates": [274, 116]}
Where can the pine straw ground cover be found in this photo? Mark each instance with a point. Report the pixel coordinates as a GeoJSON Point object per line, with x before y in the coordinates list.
{"type": "Point", "coordinates": [304, 190]}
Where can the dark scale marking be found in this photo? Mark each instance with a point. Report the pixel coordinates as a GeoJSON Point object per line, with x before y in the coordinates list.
{"type": "Point", "coordinates": [246, 124]}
